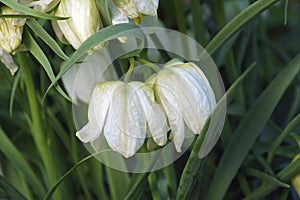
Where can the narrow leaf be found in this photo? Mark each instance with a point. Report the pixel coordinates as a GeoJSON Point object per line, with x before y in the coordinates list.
{"type": "Point", "coordinates": [40, 31]}
{"type": "Point", "coordinates": [237, 22]}
{"type": "Point", "coordinates": [249, 129]}
{"type": "Point", "coordinates": [28, 11]}
{"type": "Point", "coordinates": [18, 161]}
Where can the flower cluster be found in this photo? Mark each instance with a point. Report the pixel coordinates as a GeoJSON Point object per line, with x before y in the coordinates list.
{"type": "Point", "coordinates": [176, 98]}
{"type": "Point", "coordinates": [85, 18]}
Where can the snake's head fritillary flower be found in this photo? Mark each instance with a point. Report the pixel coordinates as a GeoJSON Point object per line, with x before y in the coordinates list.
{"type": "Point", "coordinates": [186, 96]}
{"type": "Point", "coordinates": [81, 79]}
{"type": "Point", "coordinates": [11, 30]}
{"type": "Point", "coordinates": [126, 114]}
{"type": "Point", "coordinates": [133, 9]}
{"type": "Point", "coordinates": [84, 20]}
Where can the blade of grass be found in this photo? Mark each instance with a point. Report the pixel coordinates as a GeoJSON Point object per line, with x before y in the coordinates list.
{"type": "Point", "coordinates": [40, 31]}
{"type": "Point", "coordinates": [11, 191]}
{"type": "Point", "coordinates": [62, 178]}
{"type": "Point", "coordinates": [285, 175]}
{"type": "Point", "coordinates": [248, 130]}
{"type": "Point", "coordinates": [138, 185]}
{"type": "Point", "coordinates": [179, 13]}
{"type": "Point", "coordinates": [28, 11]}
{"type": "Point", "coordinates": [36, 126]}
{"type": "Point", "coordinates": [20, 164]}
{"type": "Point", "coordinates": [193, 164]}
{"type": "Point", "coordinates": [266, 178]}
{"type": "Point", "coordinates": [237, 22]}
{"type": "Point", "coordinates": [282, 136]}
{"type": "Point", "coordinates": [198, 23]}
{"type": "Point", "coordinates": [38, 53]}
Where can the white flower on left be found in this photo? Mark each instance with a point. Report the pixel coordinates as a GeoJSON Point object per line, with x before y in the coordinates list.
{"type": "Point", "coordinates": [84, 21]}
{"type": "Point", "coordinates": [126, 114]}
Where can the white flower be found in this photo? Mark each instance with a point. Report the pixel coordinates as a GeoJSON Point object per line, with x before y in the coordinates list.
{"type": "Point", "coordinates": [84, 20]}
{"type": "Point", "coordinates": [8, 61]}
{"type": "Point", "coordinates": [186, 96]}
{"type": "Point", "coordinates": [11, 30]}
{"type": "Point", "coordinates": [40, 5]}
{"type": "Point", "coordinates": [81, 79]}
{"type": "Point", "coordinates": [133, 9]}
{"type": "Point", "coordinates": [125, 113]}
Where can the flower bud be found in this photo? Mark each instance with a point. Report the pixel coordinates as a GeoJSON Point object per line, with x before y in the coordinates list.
{"type": "Point", "coordinates": [11, 30]}
{"type": "Point", "coordinates": [186, 96]}
{"type": "Point", "coordinates": [125, 113]}
{"type": "Point", "coordinates": [84, 20]}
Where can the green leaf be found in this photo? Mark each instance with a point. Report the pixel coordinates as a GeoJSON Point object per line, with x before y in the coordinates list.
{"type": "Point", "coordinates": [38, 53]}
{"type": "Point", "coordinates": [237, 22]}
{"type": "Point", "coordinates": [191, 169]}
{"type": "Point", "coordinates": [282, 136]}
{"type": "Point", "coordinates": [285, 175]}
{"type": "Point", "coordinates": [138, 184]}
{"type": "Point", "coordinates": [100, 37]}
{"type": "Point", "coordinates": [28, 11]}
{"type": "Point", "coordinates": [18, 161]}
{"type": "Point", "coordinates": [249, 129]}
{"type": "Point", "coordinates": [40, 31]}
{"type": "Point", "coordinates": [10, 190]}
{"type": "Point", "coordinates": [62, 178]}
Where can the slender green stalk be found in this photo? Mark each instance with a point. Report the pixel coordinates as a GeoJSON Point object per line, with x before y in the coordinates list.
{"type": "Point", "coordinates": [152, 180]}
{"type": "Point", "coordinates": [40, 137]}
{"type": "Point", "coordinates": [180, 16]}
{"type": "Point", "coordinates": [198, 23]}
{"type": "Point", "coordinates": [282, 136]}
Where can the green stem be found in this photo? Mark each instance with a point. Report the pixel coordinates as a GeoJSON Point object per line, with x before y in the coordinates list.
{"type": "Point", "coordinates": [41, 141]}
{"type": "Point", "coordinates": [180, 16]}
{"type": "Point", "coordinates": [129, 72]}
{"type": "Point", "coordinates": [148, 63]}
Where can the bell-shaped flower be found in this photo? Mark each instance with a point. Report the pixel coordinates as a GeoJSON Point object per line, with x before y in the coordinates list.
{"type": "Point", "coordinates": [186, 96]}
{"type": "Point", "coordinates": [84, 20]}
{"type": "Point", "coordinates": [11, 30]}
{"type": "Point", "coordinates": [126, 114]}
{"type": "Point", "coordinates": [133, 9]}
{"type": "Point", "coordinates": [81, 79]}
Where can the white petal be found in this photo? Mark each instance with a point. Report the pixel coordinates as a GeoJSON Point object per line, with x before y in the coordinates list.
{"type": "Point", "coordinates": [8, 61]}
{"type": "Point", "coordinates": [125, 126]}
{"type": "Point", "coordinates": [155, 117]}
{"type": "Point", "coordinates": [92, 71]}
{"type": "Point", "coordinates": [97, 112]}
{"type": "Point", "coordinates": [147, 7]}
{"type": "Point", "coordinates": [170, 103]}
{"type": "Point", "coordinates": [186, 96]}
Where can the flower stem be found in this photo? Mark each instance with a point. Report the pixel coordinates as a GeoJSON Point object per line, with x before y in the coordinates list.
{"type": "Point", "coordinates": [129, 72]}
{"type": "Point", "coordinates": [40, 137]}
{"type": "Point", "coordinates": [148, 63]}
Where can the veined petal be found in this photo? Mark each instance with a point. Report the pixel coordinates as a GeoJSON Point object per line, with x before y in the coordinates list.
{"type": "Point", "coordinates": [128, 7]}
{"type": "Point", "coordinates": [169, 101]}
{"type": "Point", "coordinates": [98, 108]}
{"type": "Point", "coordinates": [125, 126]}
{"type": "Point", "coordinates": [155, 117]}
{"type": "Point", "coordinates": [185, 94]}
{"type": "Point", "coordinates": [8, 61]}
{"type": "Point", "coordinates": [147, 7]}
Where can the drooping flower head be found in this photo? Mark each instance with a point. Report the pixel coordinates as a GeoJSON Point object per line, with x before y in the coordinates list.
{"type": "Point", "coordinates": [186, 96]}
{"type": "Point", "coordinates": [11, 30]}
{"type": "Point", "coordinates": [84, 20]}
{"type": "Point", "coordinates": [126, 114]}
